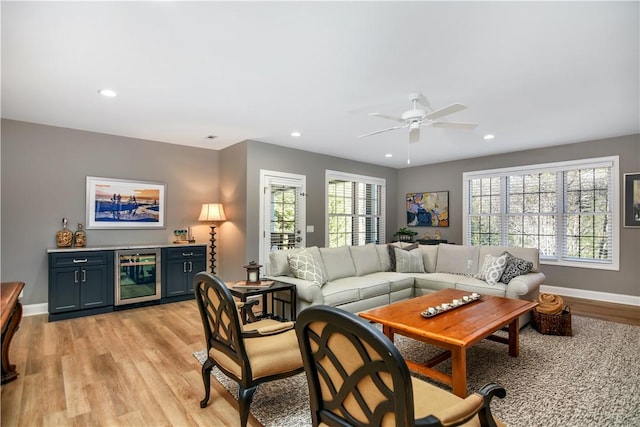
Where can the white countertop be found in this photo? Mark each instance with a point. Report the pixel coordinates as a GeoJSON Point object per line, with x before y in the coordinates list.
{"type": "Point", "coordinates": [125, 246]}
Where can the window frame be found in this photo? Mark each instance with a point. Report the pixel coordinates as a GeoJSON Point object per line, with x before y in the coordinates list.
{"type": "Point", "coordinates": [363, 179]}
{"type": "Point", "coordinates": [560, 223]}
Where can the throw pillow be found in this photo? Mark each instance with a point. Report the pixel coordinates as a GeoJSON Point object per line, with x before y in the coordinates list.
{"type": "Point", "coordinates": [392, 254]}
{"type": "Point", "coordinates": [492, 268]}
{"type": "Point", "coordinates": [409, 261]}
{"type": "Point", "coordinates": [515, 267]}
{"type": "Point", "coordinates": [305, 267]}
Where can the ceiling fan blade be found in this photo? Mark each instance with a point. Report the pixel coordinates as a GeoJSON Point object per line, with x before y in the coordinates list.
{"type": "Point", "coordinates": [450, 109]}
{"type": "Point", "coordinates": [384, 116]}
{"type": "Point", "coordinates": [454, 125]}
{"type": "Point", "coordinates": [382, 130]}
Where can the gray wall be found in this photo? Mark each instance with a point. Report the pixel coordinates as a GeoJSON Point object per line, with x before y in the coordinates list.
{"type": "Point", "coordinates": [313, 166]}
{"type": "Point", "coordinates": [44, 171]}
{"type": "Point", "coordinates": [448, 176]}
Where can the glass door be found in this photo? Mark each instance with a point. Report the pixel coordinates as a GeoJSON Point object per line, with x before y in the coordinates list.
{"type": "Point", "coordinates": [137, 276]}
{"type": "Point", "coordinates": [283, 213]}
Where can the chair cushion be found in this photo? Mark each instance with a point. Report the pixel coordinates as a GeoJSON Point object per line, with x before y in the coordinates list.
{"type": "Point", "coordinates": [431, 400]}
{"type": "Point", "coordinates": [304, 266]}
{"type": "Point", "coordinates": [492, 268]}
{"type": "Point", "coordinates": [409, 262]}
{"type": "Point", "coordinates": [268, 355]}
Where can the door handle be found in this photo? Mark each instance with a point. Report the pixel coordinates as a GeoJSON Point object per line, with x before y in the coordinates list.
{"type": "Point", "coordinates": [84, 276]}
{"type": "Point", "coordinates": [187, 254]}
{"type": "Point", "coordinates": [184, 267]}
{"type": "Point", "coordinates": [190, 266]}
{"type": "Point", "coordinates": [298, 239]}
{"type": "Point", "coordinates": [75, 276]}
{"type": "Point", "coordinates": [79, 261]}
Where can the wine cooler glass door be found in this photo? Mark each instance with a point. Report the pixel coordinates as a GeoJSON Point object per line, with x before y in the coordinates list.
{"type": "Point", "coordinates": [138, 276]}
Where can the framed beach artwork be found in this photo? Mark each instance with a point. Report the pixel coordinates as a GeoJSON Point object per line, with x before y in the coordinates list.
{"type": "Point", "coordinates": [428, 209]}
{"type": "Point", "coordinates": [122, 203]}
{"type": "Point", "coordinates": [632, 199]}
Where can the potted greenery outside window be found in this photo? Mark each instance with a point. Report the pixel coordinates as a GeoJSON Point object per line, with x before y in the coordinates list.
{"type": "Point", "coordinates": [405, 235]}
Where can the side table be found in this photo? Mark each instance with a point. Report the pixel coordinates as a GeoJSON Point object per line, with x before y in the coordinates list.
{"type": "Point", "coordinates": [11, 316]}
{"type": "Point", "coordinates": [279, 293]}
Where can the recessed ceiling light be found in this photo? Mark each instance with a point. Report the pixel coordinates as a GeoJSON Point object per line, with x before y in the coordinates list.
{"type": "Point", "coordinates": [488, 136]}
{"type": "Point", "coordinates": [388, 155]}
{"type": "Point", "coordinates": [296, 134]}
{"type": "Point", "coordinates": [108, 93]}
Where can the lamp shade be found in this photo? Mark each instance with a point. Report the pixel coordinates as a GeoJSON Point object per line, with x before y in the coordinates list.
{"type": "Point", "coordinates": [212, 212]}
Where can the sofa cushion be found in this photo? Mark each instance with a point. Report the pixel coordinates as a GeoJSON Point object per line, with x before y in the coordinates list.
{"type": "Point", "coordinates": [351, 289]}
{"type": "Point", "coordinates": [337, 262]}
{"type": "Point", "coordinates": [492, 268]}
{"type": "Point", "coordinates": [457, 259]}
{"type": "Point", "coordinates": [397, 281]}
{"type": "Point", "coordinates": [409, 261]}
{"type": "Point", "coordinates": [515, 267]}
{"type": "Point", "coordinates": [383, 257]}
{"type": "Point", "coordinates": [391, 247]}
{"type": "Point", "coordinates": [279, 264]}
{"type": "Point", "coordinates": [471, 284]}
{"type": "Point", "coordinates": [429, 257]}
{"type": "Point", "coordinates": [304, 266]}
{"type": "Point", "coordinates": [365, 259]}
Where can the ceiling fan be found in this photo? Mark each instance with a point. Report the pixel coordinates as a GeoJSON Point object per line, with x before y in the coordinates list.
{"type": "Point", "coordinates": [417, 117]}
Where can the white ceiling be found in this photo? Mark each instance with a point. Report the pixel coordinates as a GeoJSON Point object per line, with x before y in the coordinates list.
{"type": "Point", "coordinates": [534, 74]}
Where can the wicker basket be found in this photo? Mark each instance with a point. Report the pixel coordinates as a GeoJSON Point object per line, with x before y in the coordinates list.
{"type": "Point", "coordinates": [552, 324]}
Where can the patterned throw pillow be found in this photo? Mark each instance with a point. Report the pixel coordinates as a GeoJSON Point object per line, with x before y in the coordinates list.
{"type": "Point", "coordinates": [492, 268]}
{"type": "Point", "coordinates": [392, 253]}
{"type": "Point", "coordinates": [515, 267]}
{"type": "Point", "coordinates": [409, 261]}
{"type": "Point", "coordinates": [305, 267]}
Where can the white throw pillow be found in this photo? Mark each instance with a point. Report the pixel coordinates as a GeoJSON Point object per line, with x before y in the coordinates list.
{"type": "Point", "coordinates": [305, 267]}
{"type": "Point", "coordinates": [492, 268]}
{"type": "Point", "coordinates": [409, 261]}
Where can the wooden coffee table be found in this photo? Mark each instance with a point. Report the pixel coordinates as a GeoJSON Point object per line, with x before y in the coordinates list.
{"type": "Point", "coordinates": [455, 330]}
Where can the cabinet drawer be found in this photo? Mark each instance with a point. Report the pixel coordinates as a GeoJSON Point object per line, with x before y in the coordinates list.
{"type": "Point", "coordinates": [77, 259]}
{"type": "Point", "coordinates": [186, 252]}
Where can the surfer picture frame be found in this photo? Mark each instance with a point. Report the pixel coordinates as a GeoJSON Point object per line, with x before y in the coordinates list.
{"type": "Point", "coordinates": [125, 204]}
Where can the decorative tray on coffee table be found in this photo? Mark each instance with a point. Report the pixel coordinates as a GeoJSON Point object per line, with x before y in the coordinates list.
{"type": "Point", "coordinates": [439, 309]}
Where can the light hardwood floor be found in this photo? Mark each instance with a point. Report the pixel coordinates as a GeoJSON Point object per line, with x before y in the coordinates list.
{"type": "Point", "coordinates": [136, 368]}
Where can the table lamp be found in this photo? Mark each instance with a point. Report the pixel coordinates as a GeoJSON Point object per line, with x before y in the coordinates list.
{"type": "Point", "coordinates": [212, 212]}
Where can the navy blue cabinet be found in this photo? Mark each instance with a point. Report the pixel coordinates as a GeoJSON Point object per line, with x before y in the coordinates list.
{"type": "Point", "coordinates": [80, 282]}
{"type": "Point", "coordinates": [180, 265]}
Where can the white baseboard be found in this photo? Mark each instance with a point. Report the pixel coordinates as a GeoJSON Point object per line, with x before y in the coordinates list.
{"type": "Point", "coordinates": [592, 295]}
{"type": "Point", "coordinates": [34, 309]}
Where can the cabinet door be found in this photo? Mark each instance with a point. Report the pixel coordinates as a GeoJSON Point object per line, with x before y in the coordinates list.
{"type": "Point", "coordinates": [93, 286]}
{"type": "Point", "coordinates": [194, 266]}
{"type": "Point", "coordinates": [176, 275]}
{"type": "Point", "coordinates": [64, 294]}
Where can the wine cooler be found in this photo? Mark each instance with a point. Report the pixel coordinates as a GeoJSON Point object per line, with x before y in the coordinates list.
{"type": "Point", "coordinates": [137, 275]}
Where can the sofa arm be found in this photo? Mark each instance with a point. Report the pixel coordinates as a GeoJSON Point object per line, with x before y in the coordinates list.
{"type": "Point", "coordinates": [305, 290]}
{"type": "Point", "coordinates": [525, 285]}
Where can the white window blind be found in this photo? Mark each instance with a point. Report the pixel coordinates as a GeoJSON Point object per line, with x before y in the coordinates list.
{"type": "Point", "coordinates": [568, 210]}
{"type": "Point", "coordinates": [355, 209]}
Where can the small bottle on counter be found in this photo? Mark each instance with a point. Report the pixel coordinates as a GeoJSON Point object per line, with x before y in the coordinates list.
{"type": "Point", "coordinates": [80, 237]}
{"type": "Point", "coordinates": [64, 237]}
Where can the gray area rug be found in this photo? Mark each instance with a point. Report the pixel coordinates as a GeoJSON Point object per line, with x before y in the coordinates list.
{"type": "Point", "coordinates": [590, 379]}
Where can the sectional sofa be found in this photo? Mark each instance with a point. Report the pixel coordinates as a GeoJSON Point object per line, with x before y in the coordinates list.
{"type": "Point", "coordinates": [357, 278]}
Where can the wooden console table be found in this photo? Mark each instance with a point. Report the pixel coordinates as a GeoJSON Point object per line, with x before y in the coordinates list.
{"type": "Point", "coordinates": [11, 314]}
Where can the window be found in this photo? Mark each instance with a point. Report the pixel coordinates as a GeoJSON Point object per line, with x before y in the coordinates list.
{"type": "Point", "coordinates": [355, 209]}
{"type": "Point", "coordinates": [568, 210]}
